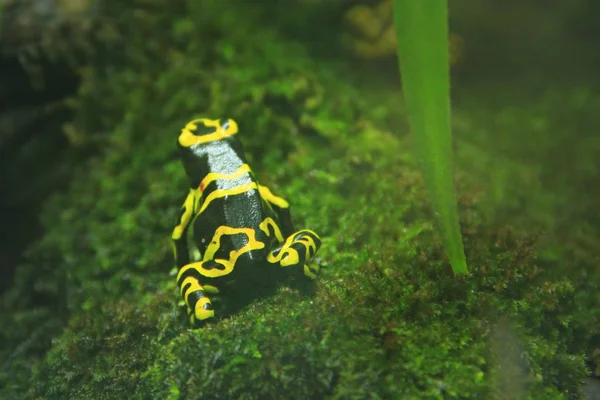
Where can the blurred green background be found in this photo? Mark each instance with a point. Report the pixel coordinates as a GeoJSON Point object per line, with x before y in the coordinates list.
{"type": "Point", "coordinates": [92, 97]}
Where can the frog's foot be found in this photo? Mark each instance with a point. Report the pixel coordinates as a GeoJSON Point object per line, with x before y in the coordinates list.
{"type": "Point", "coordinates": [311, 270]}
{"type": "Point", "coordinates": [200, 308]}
{"type": "Point", "coordinates": [198, 304]}
{"type": "Point", "coordinates": [297, 250]}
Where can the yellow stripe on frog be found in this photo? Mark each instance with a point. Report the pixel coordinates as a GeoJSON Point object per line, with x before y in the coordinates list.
{"type": "Point", "coordinates": [213, 176]}
{"type": "Point", "coordinates": [220, 193]}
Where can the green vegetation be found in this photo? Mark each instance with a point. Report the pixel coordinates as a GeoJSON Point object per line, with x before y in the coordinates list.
{"type": "Point", "coordinates": [422, 37]}
{"type": "Point", "coordinates": [93, 312]}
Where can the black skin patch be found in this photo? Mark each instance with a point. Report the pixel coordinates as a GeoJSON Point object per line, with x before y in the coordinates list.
{"type": "Point", "coordinates": [212, 264]}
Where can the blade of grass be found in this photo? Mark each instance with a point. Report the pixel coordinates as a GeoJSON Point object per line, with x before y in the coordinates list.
{"type": "Point", "coordinates": [422, 35]}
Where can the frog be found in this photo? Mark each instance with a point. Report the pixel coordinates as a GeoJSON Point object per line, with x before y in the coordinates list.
{"type": "Point", "coordinates": [242, 232]}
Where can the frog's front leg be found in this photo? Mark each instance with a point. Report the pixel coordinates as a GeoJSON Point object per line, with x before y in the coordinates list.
{"type": "Point", "coordinates": [179, 235]}
{"type": "Point", "coordinates": [297, 250]}
{"type": "Point", "coordinates": [194, 293]}
{"type": "Point", "coordinates": [198, 304]}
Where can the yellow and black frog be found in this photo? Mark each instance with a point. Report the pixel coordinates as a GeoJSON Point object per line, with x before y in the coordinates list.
{"type": "Point", "coordinates": [239, 227]}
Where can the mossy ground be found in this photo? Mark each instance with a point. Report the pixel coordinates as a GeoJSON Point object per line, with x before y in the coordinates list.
{"type": "Point", "coordinates": [94, 313]}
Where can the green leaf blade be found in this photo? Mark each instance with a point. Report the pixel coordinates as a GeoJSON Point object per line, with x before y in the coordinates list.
{"type": "Point", "coordinates": [422, 36]}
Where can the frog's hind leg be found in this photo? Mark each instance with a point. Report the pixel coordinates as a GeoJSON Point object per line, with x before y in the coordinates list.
{"type": "Point", "coordinates": [199, 306]}
{"type": "Point", "coordinates": [281, 207]}
{"type": "Point", "coordinates": [297, 250]}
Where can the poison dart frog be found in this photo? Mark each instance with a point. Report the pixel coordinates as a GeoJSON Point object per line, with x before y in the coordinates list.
{"type": "Point", "coordinates": [240, 228]}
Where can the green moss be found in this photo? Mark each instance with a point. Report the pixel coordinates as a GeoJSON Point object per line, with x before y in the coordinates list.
{"type": "Point", "coordinates": [94, 314]}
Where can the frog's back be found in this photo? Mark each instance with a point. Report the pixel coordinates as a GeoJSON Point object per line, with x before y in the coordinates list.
{"type": "Point", "coordinates": [232, 208]}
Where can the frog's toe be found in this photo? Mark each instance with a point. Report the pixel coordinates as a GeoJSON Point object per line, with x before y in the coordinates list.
{"type": "Point", "coordinates": [200, 307]}
{"type": "Point", "coordinates": [204, 309]}
{"type": "Point", "coordinates": [311, 270]}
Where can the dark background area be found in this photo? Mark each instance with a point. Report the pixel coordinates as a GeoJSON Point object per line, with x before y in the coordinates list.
{"type": "Point", "coordinates": [32, 148]}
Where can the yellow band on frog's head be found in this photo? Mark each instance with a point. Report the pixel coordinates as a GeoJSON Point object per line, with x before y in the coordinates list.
{"type": "Point", "coordinates": [203, 130]}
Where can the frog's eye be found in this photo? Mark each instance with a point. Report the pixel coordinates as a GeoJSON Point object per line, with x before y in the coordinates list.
{"type": "Point", "coordinates": [229, 127]}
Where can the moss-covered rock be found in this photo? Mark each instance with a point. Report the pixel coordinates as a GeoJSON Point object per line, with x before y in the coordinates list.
{"type": "Point", "coordinates": [94, 313]}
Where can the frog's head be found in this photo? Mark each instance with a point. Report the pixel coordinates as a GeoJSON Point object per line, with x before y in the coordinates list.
{"type": "Point", "coordinates": [203, 130]}
{"type": "Point", "coordinates": [201, 137]}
